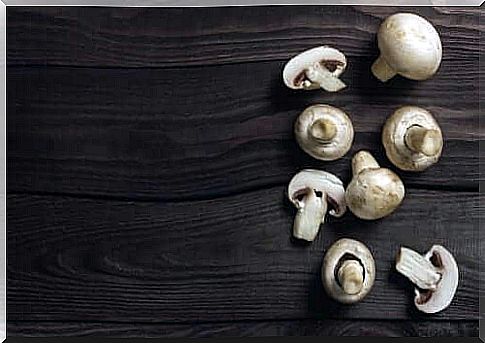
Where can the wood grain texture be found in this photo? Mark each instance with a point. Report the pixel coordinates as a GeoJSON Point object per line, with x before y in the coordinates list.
{"type": "Point", "coordinates": [225, 259]}
{"type": "Point", "coordinates": [155, 37]}
{"type": "Point", "coordinates": [245, 329]}
{"type": "Point", "coordinates": [148, 155]}
{"type": "Point", "coordinates": [137, 134]}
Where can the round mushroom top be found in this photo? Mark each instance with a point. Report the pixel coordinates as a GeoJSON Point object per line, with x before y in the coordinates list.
{"type": "Point", "coordinates": [330, 58]}
{"type": "Point", "coordinates": [410, 45]}
{"type": "Point", "coordinates": [374, 193]}
{"type": "Point", "coordinates": [394, 138]}
{"type": "Point", "coordinates": [329, 185]}
{"type": "Point", "coordinates": [342, 250]}
{"type": "Point", "coordinates": [331, 149]}
{"type": "Point", "coordinates": [440, 298]}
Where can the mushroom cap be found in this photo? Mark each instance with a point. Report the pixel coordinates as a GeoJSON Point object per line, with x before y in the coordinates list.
{"type": "Point", "coordinates": [439, 299]}
{"type": "Point", "coordinates": [374, 193]}
{"type": "Point", "coordinates": [334, 149]}
{"type": "Point", "coordinates": [328, 184]}
{"type": "Point", "coordinates": [331, 59]}
{"type": "Point", "coordinates": [333, 259]}
{"type": "Point", "coordinates": [410, 45]}
{"type": "Point", "coordinates": [394, 133]}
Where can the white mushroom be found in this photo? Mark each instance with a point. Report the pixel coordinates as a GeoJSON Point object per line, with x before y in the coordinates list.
{"type": "Point", "coordinates": [412, 139]}
{"type": "Point", "coordinates": [409, 46]}
{"type": "Point", "coordinates": [324, 132]}
{"type": "Point", "coordinates": [348, 271]}
{"type": "Point", "coordinates": [311, 191]}
{"type": "Point", "coordinates": [374, 192]}
{"type": "Point", "coordinates": [435, 275]}
{"type": "Point", "coordinates": [316, 68]}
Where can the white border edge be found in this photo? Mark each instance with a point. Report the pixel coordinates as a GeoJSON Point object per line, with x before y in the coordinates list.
{"type": "Point", "coordinates": [232, 3]}
{"type": "Point", "coordinates": [3, 184]}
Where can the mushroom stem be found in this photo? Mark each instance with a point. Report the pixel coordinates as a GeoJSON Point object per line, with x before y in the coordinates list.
{"type": "Point", "coordinates": [382, 70]}
{"type": "Point", "coordinates": [418, 269]}
{"type": "Point", "coordinates": [351, 277]}
{"type": "Point", "coordinates": [363, 160]}
{"type": "Point", "coordinates": [323, 130]}
{"type": "Point", "coordinates": [310, 216]}
{"type": "Point", "coordinates": [423, 140]}
{"type": "Point", "coordinates": [324, 78]}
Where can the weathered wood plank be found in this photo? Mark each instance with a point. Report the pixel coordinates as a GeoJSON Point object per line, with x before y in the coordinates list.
{"type": "Point", "coordinates": [141, 37]}
{"type": "Point", "coordinates": [140, 134]}
{"type": "Point", "coordinates": [243, 329]}
{"type": "Point", "coordinates": [226, 259]}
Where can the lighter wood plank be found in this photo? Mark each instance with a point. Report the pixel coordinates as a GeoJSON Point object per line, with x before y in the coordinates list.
{"type": "Point", "coordinates": [156, 37]}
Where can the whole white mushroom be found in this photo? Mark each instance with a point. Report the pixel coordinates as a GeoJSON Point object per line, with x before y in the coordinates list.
{"type": "Point", "coordinates": [410, 46]}
{"type": "Point", "coordinates": [324, 132]}
{"type": "Point", "coordinates": [374, 192]}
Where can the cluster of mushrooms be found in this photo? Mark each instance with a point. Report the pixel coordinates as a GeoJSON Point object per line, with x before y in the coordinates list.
{"type": "Point", "coordinates": [411, 47]}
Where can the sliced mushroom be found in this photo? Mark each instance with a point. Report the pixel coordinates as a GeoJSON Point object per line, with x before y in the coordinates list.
{"type": "Point", "coordinates": [409, 46]}
{"type": "Point", "coordinates": [311, 191]}
{"type": "Point", "coordinates": [374, 192]}
{"type": "Point", "coordinates": [412, 139]}
{"type": "Point", "coordinates": [319, 67]}
{"type": "Point", "coordinates": [324, 132]}
{"type": "Point", "coordinates": [348, 271]}
{"type": "Point", "coordinates": [435, 275]}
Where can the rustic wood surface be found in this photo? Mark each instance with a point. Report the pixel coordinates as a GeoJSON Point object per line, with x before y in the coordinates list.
{"type": "Point", "coordinates": [148, 154]}
{"type": "Point", "coordinates": [259, 328]}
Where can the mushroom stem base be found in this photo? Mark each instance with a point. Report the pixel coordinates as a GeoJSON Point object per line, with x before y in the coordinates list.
{"type": "Point", "coordinates": [421, 140]}
{"type": "Point", "coordinates": [323, 130]}
{"type": "Point", "coordinates": [351, 277]}
{"type": "Point", "coordinates": [417, 269]}
{"type": "Point", "coordinates": [382, 70]}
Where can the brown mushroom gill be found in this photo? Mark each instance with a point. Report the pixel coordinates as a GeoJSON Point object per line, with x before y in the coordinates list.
{"type": "Point", "coordinates": [332, 203]}
{"type": "Point", "coordinates": [330, 65]}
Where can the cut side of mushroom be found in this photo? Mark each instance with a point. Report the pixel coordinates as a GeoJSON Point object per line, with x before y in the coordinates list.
{"type": "Point", "coordinates": [324, 132]}
{"type": "Point", "coordinates": [435, 275]}
{"type": "Point", "coordinates": [374, 192]}
{"type": "Point", "coordinates": [312, 192]}
{"type": "Point", "coordinates": [412, 139]}
{"type": "Point", "coordinates": [319, 67]}
{"type": "Point", "coordinates": [409, 46]}
{"type": "Point", "coordinates": [348, 271]}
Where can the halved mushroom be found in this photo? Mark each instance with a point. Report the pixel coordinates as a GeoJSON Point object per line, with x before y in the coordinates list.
{"type": "Point", "coordinates": [324, 132]}
{"type": "Point", "coordinates": [409, 46]}
{"type": "Point", "coordinates": [412, 139]}
{"type": "Point", "coordinates": [374, 192]}
{"type": "Point", "coordinates": [348, 271]}
{"type": "Point", "coordinates": [311, 191]}
{"type": "Point", "coordinates": [319, 67]}
{"type": "Point", "coordinates": [435, 275]}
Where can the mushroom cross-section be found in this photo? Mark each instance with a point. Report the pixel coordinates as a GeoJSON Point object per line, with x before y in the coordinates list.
{"type": "Point", "coordinates": [409, 46]}
{"type": "Point", "coordinates": [435, 275]}
{"type": "Point", "coordinates": [374, 192]}
{"type": "Point", "coordinates": [324, 132]}
{"type": "Point", "coordinates": [348, 271]}
{"type": "Point", "coordinates": [412, 139]}
{"type": "Point", "coordinates": [311, 191]}
{"type": "Point", "coordinates": [319, 67]}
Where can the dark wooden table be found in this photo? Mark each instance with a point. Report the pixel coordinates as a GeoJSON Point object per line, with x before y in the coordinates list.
{"type": "Point", "coordinates": [148, 155]}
